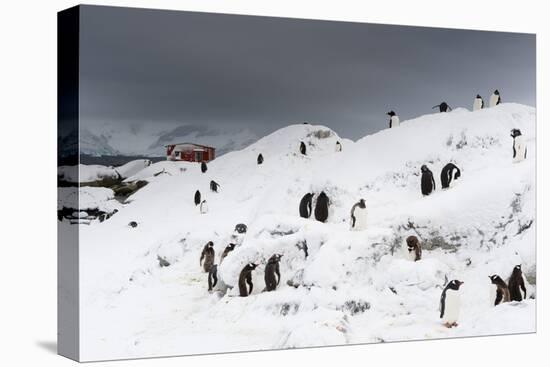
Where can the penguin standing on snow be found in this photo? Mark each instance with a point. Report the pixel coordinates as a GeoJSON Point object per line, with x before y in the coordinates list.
{"type": "Point", "coordinates": [214, 186]}
{"type": "Point", "coordinates": [516, 285]}
{"type": "Point", "coordinates": [495, 99]}
{"type": "Point", "coordinates": [502, 294]}
{"type": "Point", "coordinates": [245, 278]}
{"type": "Point", "coordinates": [197, 197]}
{"type": "Point", "coordinates": [427, 182]}
{"type": "Point", "coordinates": [204, 207]}
{"type": "Point", "coordinates": [302, 148]}
{"type": "Point", "coordinates": [212, 277]}
{"type": "Point", "coordinates": [305, 205]}
{"type": "Point", "coordinates": [478, 103]}
{"type": "Point", "coordinates": [414, 249]}
{"type": "Point", "coordinates": [321, 207]}
{"type": "Point", "coordinates": [260, 159]}
{"type": "Point", "coordinates": [207, 256]}
{"type": "Point", "coordinates": [338, 147]}
{"type": "Point", "coordinates": [226, 251]}
{"type": "Point", "coordinates": [394, 119]}
{"type": "Point", "coordinates": [359, 216]}
{"type": "Point", "coordinates": [443, 107]}
{"type": "Point", "coordinates": [519, 147]}
{"type": "Point", "coordinates": [449, 305]}
{"type": "Point", "coordinates": [447, 175]}
{"type": "Point", "coordinates": [203, 167]}
{"type": "Point", "coordinates": [272, 274]}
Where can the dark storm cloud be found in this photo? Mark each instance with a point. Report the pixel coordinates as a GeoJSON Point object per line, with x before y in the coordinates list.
{"type": "Point", "coordinates": [146, 66]}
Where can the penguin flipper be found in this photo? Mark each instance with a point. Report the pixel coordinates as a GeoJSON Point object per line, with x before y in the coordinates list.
{"type": "Point", "coordinates": [442, 305]}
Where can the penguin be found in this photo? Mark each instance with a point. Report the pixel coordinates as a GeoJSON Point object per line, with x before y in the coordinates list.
{"type": "Point", "coordinates": [214, 186]}
{"type": "Point", "coordinates": [495, 99]}
{"type": "Point", "coordinates": [394, 119]}
{"type": "Point", "coordinates": [204, 207]}
{"type": "Point", "coordinates": [516, 285]}
{"type": "Point", "coordinates": [197, 197]}
{"type": "Point", "coordinates": [338, 146]}
{"type": "Point", "coordinates": [502, 292]}
{"type": "Point", "coordinates": [519, 147]}
{"type": "Point", "coordinates": [427, 182]}
{"type": "Point", "coordinates": [447, 175]}
{"type": "Point", "coordinates": [302, 148]}
{"type": "Point", "coordinates": [241, 228]}
{"type": "Point", "coordinates": [414, 248]}
{"type": "Point", "coordinates": [321, 207]}
{"type": "Point", "coordinates": [478, 103]}
{"type": "Point", "coordinates": [212, 277]}
{"type": "Point", "coordinates": [305, 205]}
{"type": "Point", "coordinates": [359, 216]}
{"type": "Point", "coordinates": [204, 168]}
{"type": "Point", "coordinates": [443, 107]}
{"type": "Point", "coordinates": [260, 159]}
{"type": "Point", "coordinates": [246, 278]}
{"type": "Point", "coordinates": [272, 269]}
{"type": "Point", "coordinates": [449, 305]}
{"type": "Point", "coordinates": [207, 255]}
{"type": "Point", "coordinates": [227, 250]}
{"type": "Point", "coordinates": [302, 246]}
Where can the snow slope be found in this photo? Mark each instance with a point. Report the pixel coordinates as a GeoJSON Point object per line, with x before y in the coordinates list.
{"type": "Point", "coordinates": [354, 287]}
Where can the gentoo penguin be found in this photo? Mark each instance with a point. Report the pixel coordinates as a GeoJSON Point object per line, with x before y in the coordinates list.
{"type": "Point", "coordinates": [338, 146]}
{"type": "Point", "coordinates": [204, 207]}
{"type": "Point", "coordinates": [478, 103]}
{"type": "Point", "coordinates": [246, 278]}
{"type": "Point", "coordinates": [207, 256]}
{"type": "Point", "coordinates": [305, 205]}
{"type": "Point", "coordinates": [272, 274]}
{"type": "Point", "coordinates": [359, 216]}
{"type": "Point", "coordinates": [502, 292]}
{"type": "Point", "coordinates": [449, 305]}
{"type": "Point", "coordinates": [516, 285]}
{"type": "Point", "coordinates": [414, 249]}
{"type": "Point", "coordinates": [203, 167]}
{"type": "Point", "coordinates": [447, 175]}
{"type": "Point", "coordinates": [443, 107]}
{"type": "Point", "coordinates": [197, 197]}
{"type": "Point", "coordinates": [212, 277]}
{"type": "Point", "coordinates": [302, 148]}
{"type": "Point", "coordinates": [321, 207]}
{"type": "Point", "coordinates": [427, 182]}
{"type": "Point", "coordinates": [260, 159]}
{"type": "Point", "coordinates": [394, 119]}
{"type": "Point", "coordinates": [519, 148]}
{"type": "Point", "coordinates": [495, 99]}
{"type": "Point", "coordinates": [227, 250]}
{"type": "Point", "coordinates": [214, 186]}
{"type": "Point", "coordinates": [241, 228]}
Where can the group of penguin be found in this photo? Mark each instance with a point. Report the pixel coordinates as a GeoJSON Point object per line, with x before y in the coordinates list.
{"type": "Point", "coordinates": [450, 298]}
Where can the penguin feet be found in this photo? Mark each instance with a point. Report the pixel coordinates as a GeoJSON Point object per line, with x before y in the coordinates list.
{"type": "Point", "coordinates": [449, 325]}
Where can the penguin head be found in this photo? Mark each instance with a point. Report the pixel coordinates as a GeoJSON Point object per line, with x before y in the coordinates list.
{"type": "Point", "coordinates": [455, 284]}
{"type": "Point", "coordinates": [515, 133]}
{"type": "Point", "coordinates": [231, 246]}
{"type": "Point", "coordinates": [391, 113]}
{"type": "Point", "coordinates": [252, 266]}
{"type": "Point", "coordinates": [496, 92]}
{"type": "Point", "coordinates": [424, 168]}
{"type": "Point", "coordinates": [478, 96]}
{"type": "Point", "coordinates": [210, 244]}
{"type": "Point", "coordinates": [494, 278]}
{"type": "Point", "coordinates": [517, 269]}
{"type": "Point", "coordinates": [362, 204]}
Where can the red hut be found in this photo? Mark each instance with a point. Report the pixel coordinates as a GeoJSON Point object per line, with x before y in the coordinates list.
{"type": "Point", "coordinates": [190, 152]}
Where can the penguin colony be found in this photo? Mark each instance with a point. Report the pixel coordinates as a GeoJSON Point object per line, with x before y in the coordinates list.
{"type": "Point", "coordinates": [318, 206]}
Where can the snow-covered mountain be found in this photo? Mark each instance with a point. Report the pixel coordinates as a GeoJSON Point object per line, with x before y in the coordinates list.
{"type": "Point", "coordinates": [353, 287]}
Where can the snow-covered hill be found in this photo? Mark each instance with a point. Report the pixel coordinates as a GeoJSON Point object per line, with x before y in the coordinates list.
{"type": "Point", "coordinates": [354, 287]}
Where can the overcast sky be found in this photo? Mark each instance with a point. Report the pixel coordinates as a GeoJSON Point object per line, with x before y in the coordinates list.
{"type": "Point", "coordinates": [167, 67]}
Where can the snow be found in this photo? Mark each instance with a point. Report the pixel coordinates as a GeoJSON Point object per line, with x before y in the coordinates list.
{"type": "Point", "coordinates": [355, 286]}
{"type": "Point", "coordinates": [87, 197]}
{"type": "Point", "coordinates": [96, 172]}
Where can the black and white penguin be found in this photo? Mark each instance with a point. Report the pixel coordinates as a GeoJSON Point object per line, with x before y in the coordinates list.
{"type": "Point", "coordinates": [447, 175]}
{"type": "Point", "coordinates": [495, 99]}
{"type": "Point", "coordinates": [204, 168]}
{"type": "Point", "coordinates": [413, 248]}
{"type": "Point", "coordinates": [321, 207]}
{"type": "Point", "coordinates": [260, 159]}
{"type": "Point", "coordinates": [214, 186]}
{"type": "Point", "coordinates": [359, 216]}
{"type": "Point", "coordinates": [427, 182]}
{"type": "Point", "coordinates": [516, 285]}
{"type": "Point", "coordinates": [204, 207]}
{"type": "Point", "coordinates": [245, 278]}
{"type": "Point", "coordinates": [212, 277]}
{"type": "Point", "coordinates": [305, 205]}
{"type": "Point", "coordinates": [394, 119]}
{"type": "Point", "coordinates": [478, 103]}
{"type": "Point", "coordinates": [302, 148]}
{"type": "Point", "coordinates": [449, 304]}
{"type": "Point", "coordinates": [519, 147]}
{"type": "Point", "coordinates": [443, 107]}
{"type": "Point", "coordinates": [197, 197]}
{"type": "Point", "coordinates": [241, 228]}
{"type": "Point", "coordinates": [207, 256]}
{"type": "Point", "coordinates": [272, 275]}
{"type": "Point", "coordinates": [338, 147]}
{"type": "Point", "coordinates": [502, 292]}
{"type": "Point", "coordinates": [227, 250]}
